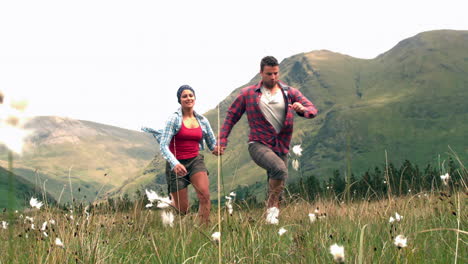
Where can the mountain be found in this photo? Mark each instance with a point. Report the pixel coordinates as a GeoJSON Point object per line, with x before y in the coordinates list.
{"type": "Point", "coordinates": [21, 191]}
{"type": "Point", "coordinates": [409, 102]}
{"type": "Point", "coordinates": [92, 158]}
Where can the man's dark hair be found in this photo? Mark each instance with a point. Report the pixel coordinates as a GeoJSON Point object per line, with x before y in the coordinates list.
{"type": "Point", "coordinates": [268, 61]}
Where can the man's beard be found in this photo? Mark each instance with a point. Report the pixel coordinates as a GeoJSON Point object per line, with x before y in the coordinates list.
{"type": "Point", "coordinates": [269, 85]}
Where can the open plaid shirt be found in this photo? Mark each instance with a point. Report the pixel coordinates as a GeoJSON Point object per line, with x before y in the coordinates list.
{"type": "Point", "coordinates": [172, 127]}
{"type": "Point", "coordinates": [260, 129]}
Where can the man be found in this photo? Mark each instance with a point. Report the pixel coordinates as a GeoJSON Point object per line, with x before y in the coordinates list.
{"type": "Point", "coordinates": [269, 105]}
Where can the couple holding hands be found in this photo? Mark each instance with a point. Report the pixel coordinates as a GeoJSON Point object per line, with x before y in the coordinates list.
{"type": "Point", "coordinates": [270, 107]}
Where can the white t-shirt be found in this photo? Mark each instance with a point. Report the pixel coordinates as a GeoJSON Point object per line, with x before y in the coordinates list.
{"type": "Point", "coordinates": [273, 108]}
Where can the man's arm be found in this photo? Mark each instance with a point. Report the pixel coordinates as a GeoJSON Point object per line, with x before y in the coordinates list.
{"type": "Point", "coordinates": [234, 113]}
{"type": "Point", "coordinates": [302, 105]}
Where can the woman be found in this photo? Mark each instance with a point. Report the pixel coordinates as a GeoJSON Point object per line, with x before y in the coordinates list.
{"type": "Point", "coordinates": [180, 142]}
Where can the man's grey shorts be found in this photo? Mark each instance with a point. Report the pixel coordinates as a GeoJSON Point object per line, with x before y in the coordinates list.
{"type": "Point", "coordinates": [275, 164]}
{"type": "Point", "coordinates": [193, 165]}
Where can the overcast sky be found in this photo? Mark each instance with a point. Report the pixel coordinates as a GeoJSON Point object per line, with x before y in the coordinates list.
{"type": "Point", "coordinates": [121, 62]}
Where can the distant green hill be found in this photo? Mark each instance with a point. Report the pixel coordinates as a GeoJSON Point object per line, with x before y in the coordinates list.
{"type": "Point", "coordinates": [410, 102]}
{"type": "Point", "coordinates": [21, 191]}
{"type": "Point", "coordinates": [95, 158]}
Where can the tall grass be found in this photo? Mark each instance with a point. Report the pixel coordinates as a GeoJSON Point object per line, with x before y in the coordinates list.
{"type": "Point", "coordinates": [432, 222]}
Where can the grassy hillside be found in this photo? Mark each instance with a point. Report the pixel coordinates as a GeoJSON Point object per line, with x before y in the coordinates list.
{"type": "Point", "coordinates": [409, 102]}
{"type": "Point", "coordinates": [94, 157]}
{"type": "Point", "coordinates": [19, 190]}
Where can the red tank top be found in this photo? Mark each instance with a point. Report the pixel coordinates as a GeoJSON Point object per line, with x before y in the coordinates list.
{"type": "Point", "coordinates": [186, 142]}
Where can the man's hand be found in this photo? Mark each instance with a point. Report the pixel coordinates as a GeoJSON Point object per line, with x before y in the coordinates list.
{"type": "Point", "coordinates": [298, 107]}
{"type": "Point", "coordinates": [180, 170]}
{"type": "Point", "coordinates": [218, 151]}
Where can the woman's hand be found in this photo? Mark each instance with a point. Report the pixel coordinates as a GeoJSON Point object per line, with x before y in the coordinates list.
{"type": "Point", "coordinates": [180, 170]}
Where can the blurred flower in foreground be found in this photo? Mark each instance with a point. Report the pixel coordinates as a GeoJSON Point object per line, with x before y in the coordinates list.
{"type": "Point", "coordinates": [282, 231]}
{"type": "Point", "coordinates": [297, 150]}
{"type": "Point", "coordinates": [400, 241]}
{"type": "Point", "coordinates": [163, 202]}
{"type": "Point", "coordinates": [167, 218]}
{"type": "Point", "coordinates": [12, 119]}
{"type": "Point", "coordinates": [35, 203]}
{"type": "Point", "coordinates": [445, 178]}
{"type": "Point", "coordinates": [272, 216]}
{"type": "Point", "coordinates": [295, 164]}
{"type": "Point", "coordinates": [338, 253]}
{"type": "Point", "coordinates": [216, 236]}
{"type": "Point", "coordinates": [58, 242]}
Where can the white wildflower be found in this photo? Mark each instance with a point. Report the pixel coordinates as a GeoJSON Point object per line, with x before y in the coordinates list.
{"type": "Point", "coordinates": [445, 178]}
{"type": "Point", "coordinates": [398, 217]}
{"type": "Point", "coordinates": [229, 198]}
{"type": "Point", "coordinates": [312, 218]}
{"type": "Point", "coordinates": [149, 205]}
{"type": "Point", "coordinates": [28, 218]}
{"type": "Point", "coordinates": [164, 202]}
{"type": "Point", "coordinates": [297, 150]}
{"type": "Point", "coordinates": [216, 236]}
{"type": "Point", "coordinates": [272, 216]}
{"type": "Point", "coordinates": [233, 194]}
{"type": "Point", "coordinates": [152, 195]}
{"type": "Point", "coordinates": [4, 224]}
{"type": "Point", "coordinates": [391, 220]}
{"type": "Point", "coordinates": [52, 221]}
{"type": "Point", "coordinates": [33, 227]}
{"type": "Point", "coordinates": [35, 203]}
{"type": "Point", "coordinates": [44, 226]}
{"type": "Point", "coordinates": [282, 231]}
{"type": "Point", "coordinates": [295, 164]}
{"type": "Point", "coordinates": [58, 242]}
{"type": "Point", "coordinates": [338, 253]}
{"type": "Point", "coordinates": [400, 241]}
{"type": "Point", "coordinates": [167, 218]}
{"type": "Point", "coordinates": [45, 234]}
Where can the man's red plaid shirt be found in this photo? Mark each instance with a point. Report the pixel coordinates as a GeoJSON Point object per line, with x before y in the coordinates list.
{"type": "Point", "coordinates": [260, 129]}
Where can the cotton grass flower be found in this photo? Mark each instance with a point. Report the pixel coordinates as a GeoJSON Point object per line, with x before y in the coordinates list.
{"type": "Point", "coordinates": [297, 150]}
{"type": "Point", "coordinates": [4, 225]}
{"type": "Point", "coordinates": [282, 231]}
{"type": "Point", "coordinates": [312, 217]}
{"type": "Point", "coordinates": [35, 203]}
{"type": "Point", "coordinates": [167, 218]}
{"type": "Point", "coordinates": [338, 253]}
{"type": "Point", "coordinates": [59, 242]}
{"type": "Point", "coordinates": [295, 164]}
{"type": "Point", "coordinates": [400, 241]}
{"type": "Point", "coordinates": [398, 217]}
{"type": "Point", "coordinates": [163, 202]}
{"type": "Point", "coordinates": [216, 237]}
{"type": "Point", "coordinates": [445, 178]}
{"type": "Point", "coordinates": [44, 226]}
{"type": "Point", "coordinates": [272, 215]}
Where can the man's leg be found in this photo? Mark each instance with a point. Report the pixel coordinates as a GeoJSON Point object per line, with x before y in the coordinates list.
{"type": "Point", "coordinates": [276, 168]}
{"type": "Point", "coordinates": [275, 188]}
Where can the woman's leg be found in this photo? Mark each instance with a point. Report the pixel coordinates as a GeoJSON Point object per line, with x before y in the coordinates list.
{"type": "Point", "coordinates": [201, 184]}
{"type": "Point", "coordinates": [180, 200]}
